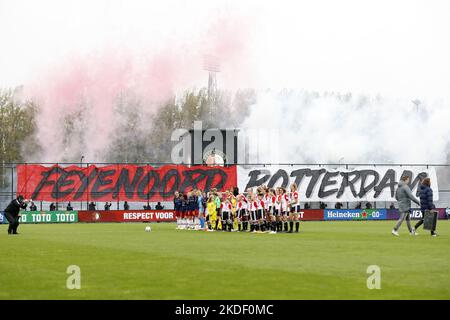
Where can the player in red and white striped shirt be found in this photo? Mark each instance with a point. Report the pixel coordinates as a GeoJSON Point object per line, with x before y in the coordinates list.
{"type": "Point", "coordinates": [256, 212]}
{"type": "Point", "coordinates": [267, 207]}
{"type": "Point", "coordinates": [246, 216]}
{"type": "Point", "coordinates": [260, 212]}
{"type": "Point", "coordinates": [284, 208]}
{"type": "Point", "coordinates": [271, 219]}
{"type": "Point", "coordinates": [241, 212]}
{"type": "Point", "coordinates": [252, 207]}
{"type": "Point", "coordinates": [277, 212]}
{"type": "Point", "coordinates": [294, 205]}
{"type": "Point", "coordinates": [226, 215]}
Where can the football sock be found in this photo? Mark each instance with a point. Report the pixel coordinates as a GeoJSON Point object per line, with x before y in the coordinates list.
{"type": "Point", "coordinates": [297, 225]}
{"type": "Point", "coordinates": [291, 226]}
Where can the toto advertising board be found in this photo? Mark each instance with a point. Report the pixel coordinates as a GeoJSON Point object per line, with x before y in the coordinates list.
{"type": "Point", "coordinates": [48, 216]}
{"type": "Point", "coordinates": [355, 214]}
{"type": "Point", "coordinates": [127, 216]}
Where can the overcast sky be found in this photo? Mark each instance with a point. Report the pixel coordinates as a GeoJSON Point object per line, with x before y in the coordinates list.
{"type": "Point", "coordinates": [398, 48]}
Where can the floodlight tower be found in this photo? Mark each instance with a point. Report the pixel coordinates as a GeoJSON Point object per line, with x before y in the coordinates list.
{"type": "Point", "coordinates": [417, 103]}
{"type": "Point", "coordinates": [211, 64]}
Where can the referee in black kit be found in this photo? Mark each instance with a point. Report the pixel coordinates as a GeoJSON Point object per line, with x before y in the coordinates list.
{"type": "Point", "coordinates": [12, 213]}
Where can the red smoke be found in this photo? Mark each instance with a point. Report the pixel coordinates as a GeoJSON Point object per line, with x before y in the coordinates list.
{"type": "Point", "coordinates": [96, 80]}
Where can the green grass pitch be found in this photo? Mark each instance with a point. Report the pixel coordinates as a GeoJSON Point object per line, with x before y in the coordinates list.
{"type": "Point", "coordinates": [327, 260]}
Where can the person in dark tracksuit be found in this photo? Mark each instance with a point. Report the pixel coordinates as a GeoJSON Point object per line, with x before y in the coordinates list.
{"type": "Point", "coordinates": [426, 202]}
{"type": "Point", "coordinates": [12, 213]}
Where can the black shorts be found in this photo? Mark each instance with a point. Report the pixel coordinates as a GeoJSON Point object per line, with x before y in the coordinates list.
{"type": "Point", "coordinates": [240, 213]}
{"type": "Point", "coordinates": [226, 215]}
{"type": "Point", "coordinates": [276, 212]}
{"type": "Point", "coordinates": [295, 209]}
{"type": "Point", "coordinates": [283, 213]}
{"type": "Point", "coordinates": [258, 214]}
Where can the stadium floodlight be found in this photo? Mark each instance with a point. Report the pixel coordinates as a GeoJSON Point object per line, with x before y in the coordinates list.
{"type": "Point", "coordinates": [211, 64]}
{"type": "Point", "coordinates": [416, 102]}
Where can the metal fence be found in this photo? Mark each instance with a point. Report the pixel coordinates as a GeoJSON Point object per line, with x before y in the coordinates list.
{"type": "Point", "coordinates": [8, 184]}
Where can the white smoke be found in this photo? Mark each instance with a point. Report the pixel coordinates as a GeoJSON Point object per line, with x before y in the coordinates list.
{"type": "Point", "coordinates": [309, 127]}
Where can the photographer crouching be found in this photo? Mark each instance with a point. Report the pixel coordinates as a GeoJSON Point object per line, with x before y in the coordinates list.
{"type": "Point", "coordinates": [12, 213]}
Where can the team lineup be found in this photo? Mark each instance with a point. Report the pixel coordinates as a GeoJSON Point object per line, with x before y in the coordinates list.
{"type": "Point", "coordinates": [269, 210]}
{"type": "Point", "coordinates": [275, 210]}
